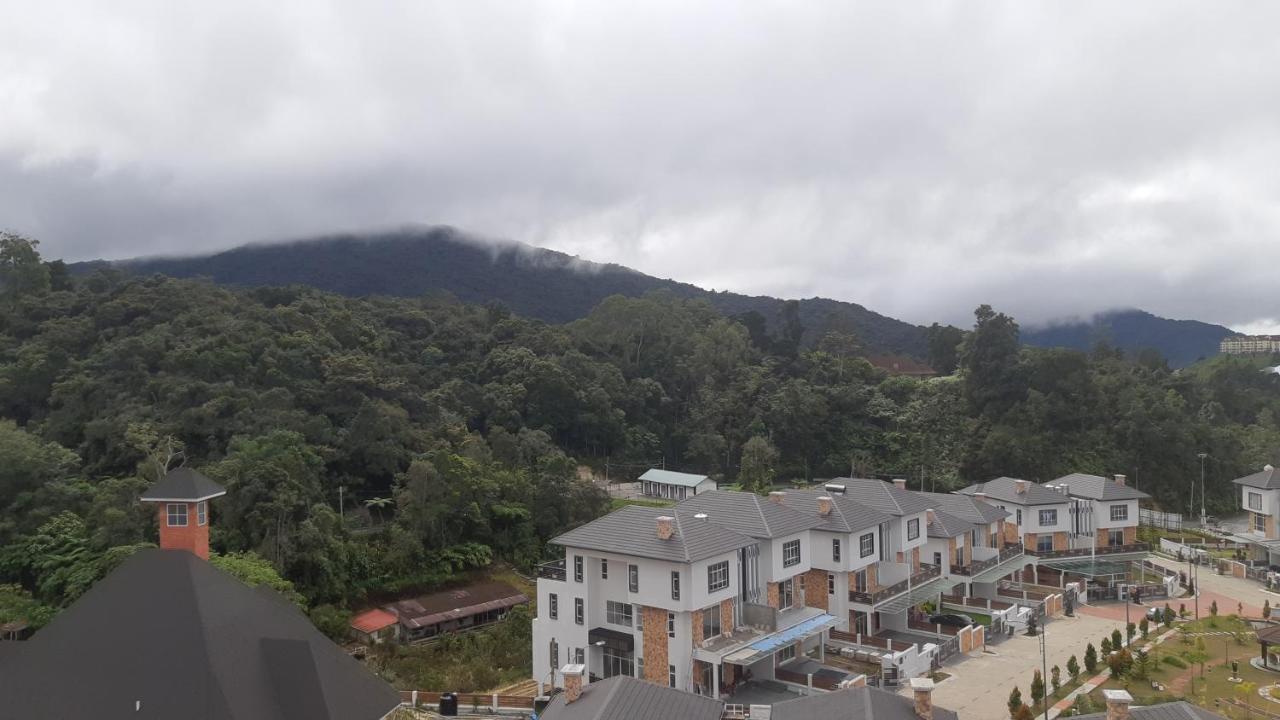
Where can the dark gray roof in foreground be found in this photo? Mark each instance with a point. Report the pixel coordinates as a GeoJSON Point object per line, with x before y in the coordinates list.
{"type": "Point", "coordinates": [847, 516]}
{"type": "Point", "coordinates": [1265, 479]}
{"type": "Point", "coordinates": [632, 530]}
{"type": "Point", "coordinates": [1096, 487]}
{"type": "Point", "coordinates": [627, 698]}
{"type": "Point", "coordinates": [183, 484]}
{"type": "Point", "coordinates": [1180, 710]}
{"type": "Point", "coordinates": [750, 514]}
{"type": "Point", "coordinates": [965, 507]}
{"type": "Point", "coordinates": [1004, 489]}
{"type": "Point", "coordinates": [861, 703]}
{"type": "Point", "coordinates": [186, 640]}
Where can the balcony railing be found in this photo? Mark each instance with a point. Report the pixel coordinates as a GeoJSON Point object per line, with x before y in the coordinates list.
{"type": "Point", "coordinates": [552, 571]}
{"type": "Point", "coordinates": [1009, 551]}
{"type": "Point", "coordinates": [1087, 552]}
{"type": "Point", "coordinates": [927, 572]}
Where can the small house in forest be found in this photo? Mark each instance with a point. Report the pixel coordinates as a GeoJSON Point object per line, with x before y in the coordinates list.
{"type": "Point", "coordinates": [670, 485]}
{"type": "Point", "coordinates": [428, 616]}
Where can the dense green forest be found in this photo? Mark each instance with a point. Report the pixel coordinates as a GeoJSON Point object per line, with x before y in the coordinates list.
{"type": "Point", "coordinates": [460, 433]}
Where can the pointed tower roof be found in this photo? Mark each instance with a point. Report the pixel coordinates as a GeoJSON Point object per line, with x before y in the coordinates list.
{"type": "Point", "coordinates": [183, 485]}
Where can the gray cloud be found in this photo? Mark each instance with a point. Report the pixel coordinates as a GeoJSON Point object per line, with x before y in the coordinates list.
{"type": "Point", "coordinates": [1051, 159]}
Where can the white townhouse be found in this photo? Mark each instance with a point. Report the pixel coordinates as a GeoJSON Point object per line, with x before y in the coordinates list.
{"type": "Point", "coordinates": [1103, 513]}
{"type": "Point", "coordinates": [693, 597]}
{"type": "Point", "coordinates": [1260, 497]}
{"type": "Point", "coordinates": [1041, 517]}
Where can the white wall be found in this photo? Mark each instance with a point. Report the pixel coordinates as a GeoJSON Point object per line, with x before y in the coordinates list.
{"type": "Point", "coordinates": [1102, 514]}
{"type": "Point", "coordinates": [773, 568]}
{"type": "Point", "coordinates": [1270, 501]}
{"type": "Point", "coordinates": [1031, 519]}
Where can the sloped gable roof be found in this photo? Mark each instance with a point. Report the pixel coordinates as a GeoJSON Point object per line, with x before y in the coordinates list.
{"type": "Point", "coordinates": [1004, 489]}
{"type": "Point", "coordinates": [1265, 479]}
{"type": "Point", "coordinates": [857, 703]}
{"type": "Point", "coordinates": [670, 477]}
{"type": "Point", "coordinates": [847, 515]}
{"type": "Point", "coordinates": [965, 507]}
{"type": "Point", "coordinates": [750, 514]}
{"type": "Point", "coordinates": [632, 530]}
{"type": "Point", "coordinates": [1096, 487]}
{"type": "Point", "coordinates": [171, 635]}
{"type": "Point", "coordinates": [883, 496]}
{"type": "Point", "coordinates": [626, 698]}
{"type": "Point", "coordinates": [946, 525]}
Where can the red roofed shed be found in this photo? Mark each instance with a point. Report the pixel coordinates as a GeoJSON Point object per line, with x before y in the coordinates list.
{"type": "Point", "coordinates": [374, 626]}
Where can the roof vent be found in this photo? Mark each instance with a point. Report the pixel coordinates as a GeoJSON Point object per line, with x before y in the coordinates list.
{"type": "Point", "coordinates": [834, 488]}
{"type": "Point", "coordinates": [700, 516]}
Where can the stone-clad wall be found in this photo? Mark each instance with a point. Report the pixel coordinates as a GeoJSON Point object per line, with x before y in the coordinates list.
{"type": "Point", "coordinates": [655, 645]}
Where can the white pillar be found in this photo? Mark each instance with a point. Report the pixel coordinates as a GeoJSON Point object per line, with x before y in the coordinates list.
{"type": "Point", "coordinates": [715, 677]}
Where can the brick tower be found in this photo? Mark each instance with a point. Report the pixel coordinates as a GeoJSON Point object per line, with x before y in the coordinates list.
{"type": "Point", "coordinates": [182, 508]}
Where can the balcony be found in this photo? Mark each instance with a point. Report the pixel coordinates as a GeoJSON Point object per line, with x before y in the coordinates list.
{"type": "Point", "coordinates": [552, 571]}
{"type": "Point", "coordinates": [1089, 551]}
{"type": "Point", "coordinates": [927, 573]}
{"type": "Point", "coordinates": [1008, 552]}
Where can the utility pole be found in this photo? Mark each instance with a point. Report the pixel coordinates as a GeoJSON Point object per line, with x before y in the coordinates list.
{"type": "Point", "coordinates": [1044, 674]}
{"type": "Point", "coordinates": [341, 515]}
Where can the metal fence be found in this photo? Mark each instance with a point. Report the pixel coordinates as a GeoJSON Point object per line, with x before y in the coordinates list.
{"type": "Point", "coordinates": [1155, 518]}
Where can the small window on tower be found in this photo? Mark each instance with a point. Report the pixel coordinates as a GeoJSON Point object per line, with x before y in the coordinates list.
{"type": "Point", "coordinates": [177, 515]}
{"type": "Point", "coordinates": [202, 513]}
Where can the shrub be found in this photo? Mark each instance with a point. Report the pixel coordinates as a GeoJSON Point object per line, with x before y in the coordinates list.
{"type": "Point", "coordinates": [1174, 661]}
{"type": "Point", "coordinates": [1073, 667]}
{"type": "Point", "coordinates": [1116, 641]}
{"type": "Point", "coordinates": [1145, 628]}
{"type": "Point", "coordinates": [1015, 702]}
{"type": "Point", "coordinates": [1090, 659]}
{"type": "Point", "coordinates": [1105, 646]}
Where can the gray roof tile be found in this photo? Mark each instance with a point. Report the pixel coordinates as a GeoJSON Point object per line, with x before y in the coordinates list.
{"type": "Point", "coordinates": [965, 507]}
{"type": "Point", "coordinates": [883, 496]}
{"type": "Point", "coordinates": [183, 484]}
{"type": "Point", "coordinates": [1096, 487]}
{"type": "Point", "coordinates": [632, 530]}
{"type": "Point", "coordinates": [860, 703]}
{"type": "Point", "coordinates": [1180, 710]}
{"type": "Point", "coordinates": [1004, 489]}
{"type": "Point", "coordinates": [946, 525]}
{"type": "Point", "coordinates": [750, 514]}
{"type": "Point", "coordinates": [847, 515]}
{"type": "Point", "coordinates": [627, 698]}
{"type": "Point", "coordinates": [1265, 479]}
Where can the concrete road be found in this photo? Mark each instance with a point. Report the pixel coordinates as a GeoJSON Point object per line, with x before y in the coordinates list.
{"type": "Point", "coordinates": [979, 686]}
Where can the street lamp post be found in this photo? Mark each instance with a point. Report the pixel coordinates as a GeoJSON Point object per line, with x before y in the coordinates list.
{"type": "Point", "coordinates": [1202, 457]}
{"type": "Point", "coordinates": [1044, 673]}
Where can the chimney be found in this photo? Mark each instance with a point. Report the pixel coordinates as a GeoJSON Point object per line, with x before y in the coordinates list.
{"type": "Point", "coordinates": [980, 496]}
{"type": "Point", "coordinates": [1119, 479]}
{"type": "Point", "coordinates": [1020, 486]}
{"type": "Point", "coordinates": [1117, 704]}
{"type": "Point", "coordinates": [824, 506]}
{"type": "Point", "coordinates": [666, 527]}
{"type": "Point", "coordinates": [776, 496]}
{"type": "Point", "coordinates": [900, 483]}
{"type": "Point", "coordinates": [929, 513]}
{"type": "Point", "coordinates": [182, 509]}
{"type": "Point", "coordinates": [922, 692]}
{"type": "Point", "coordinates": [573, 675]}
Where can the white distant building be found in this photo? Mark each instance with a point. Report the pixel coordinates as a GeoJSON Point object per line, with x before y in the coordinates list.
{"type": "Point", "coordinates": [670, 485]}
{"type": "Point", "coordinates": [1250, 345]}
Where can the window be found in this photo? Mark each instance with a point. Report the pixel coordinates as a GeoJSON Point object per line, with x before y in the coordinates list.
{"type": "Point", "coordinates": [786, 593]}
{"type": "Point", "coordinates": [959, 561]}
{"type": "Point", "coordinates": [860, 581]}
{"type": "Point", "coordinates": [1255, 501]}
{"type": "Point", "coordinates": [202, 513]}
{"type": "Point", "coordinates": [913, 528]}
{"type": "Point", "coordinates": [1048, 518]}
{"type": "Point", "coordinates": [831, 584]}
{"type": "Point", "coordinates": [1119, 512]}
{"type": "Point", "coordinates": [604, 569]}
{"type": "Point", "coordinates": [616, 613]}
{"type": "Point", "coordinates": [580, 656]}
{"type": "Point", "coordinates": [937, 558]}
{"type": "Point", "coordinates": [786, 653]}
{"type": "Point", "coordinates": [638, 612]}
{"type": "Point", "coordinates": [1115, 537]}
{"type": "Point", "coordinates": [1019, 521]}
{"type": "Point", "coordinates": [671, 624]}
{"type": "Point", "coordinates": [177, 515]}
{"type": "Point", "coordinates": [555, 654]}
{"type": "Point", "coordinates": [578, 616]}
{"type": "Point", "coordinates": [618, 662]}
{"type": "Point", "coordinates": [554, 610]}
{"type": "Point", "coordinates": [791, 553]}
{"type": "Point", "coordinates": [577, 568]}
{"type": "Point", "coordinates": [711, 621]}
{"type": "Point", "coordinates": [1044, 543]}
{"type": "Point", "coordinates": [640, 667]}
{"type": "Point", "coordinates": [675, 584]}
{"type": "Point", "coordinates": [866, 545]}
{"type": "Point", "coordinates": [1260, 523]}
{"type": "Point", "coordinates": [671, 675]}
{"type": "Point", "coordinates": [633, 578]}
{"type": "Point", "coordinates": [718, 576]}
{"type": "Point", "coordinates": [835, 550]}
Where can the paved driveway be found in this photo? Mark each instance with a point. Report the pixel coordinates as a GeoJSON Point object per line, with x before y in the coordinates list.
{"type": "Point", "coordinates": [979, 686]}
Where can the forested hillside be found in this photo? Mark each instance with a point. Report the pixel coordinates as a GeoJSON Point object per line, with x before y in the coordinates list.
{"type": "Point", "coordinates": [532, 282]}
{"type": "Point", "coordinates": [459, 429]}
{"type": "Point", "coordinates": [1181, 342]}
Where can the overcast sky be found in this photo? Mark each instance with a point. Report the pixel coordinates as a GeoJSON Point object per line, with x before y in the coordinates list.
{"type": "Point", "coordinates": [1052, 159]}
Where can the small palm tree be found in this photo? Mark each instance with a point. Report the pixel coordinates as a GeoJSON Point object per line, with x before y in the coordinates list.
{"type": "Point", "coordinates": [378, 504]}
